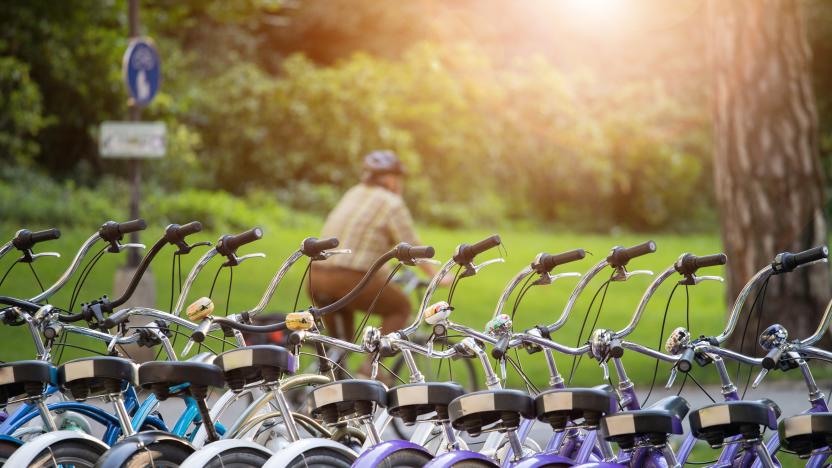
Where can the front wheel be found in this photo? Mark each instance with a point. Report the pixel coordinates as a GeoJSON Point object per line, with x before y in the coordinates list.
{"type": "Point", "coordinates": [321, 458]}
{"type": "Point", "coordinates": [68, 454]}
{"type": "Point", "coordinates": [406, 458]}
{"type": "Point", "coordinates": [158, 455]}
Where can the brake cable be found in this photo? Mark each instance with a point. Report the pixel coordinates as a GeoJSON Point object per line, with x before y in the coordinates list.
{"type": "Point", "coordinates": [82, 278]}
{"type": "Point", "coordinates": [32, 268]}
{"type": "Point", "coordinates": [603, 286]}
{"type": "Point", "coordinates": [658, 346]}
{"type": "Point", "coordinates": [760, 295]}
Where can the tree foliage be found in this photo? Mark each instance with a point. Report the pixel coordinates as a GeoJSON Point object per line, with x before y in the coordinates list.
{"type": "Point", "coordinates": [521, 118]}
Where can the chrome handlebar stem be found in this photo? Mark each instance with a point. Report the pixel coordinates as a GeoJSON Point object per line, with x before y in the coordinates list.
{"type": "Point", "coordinates": [270, 290]}
{"type": "Point", "coordinates": [645, 298]}
{"type": "Point", "coordinates": [576, 292]}
{"type": "Point", "coordinates": [64, 278]}
{"type": "Point", "coordinates": [189, 280]}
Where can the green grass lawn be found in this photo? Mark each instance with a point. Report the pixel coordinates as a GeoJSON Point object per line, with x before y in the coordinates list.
{"type": "Point", "coordinates": [474, 300]}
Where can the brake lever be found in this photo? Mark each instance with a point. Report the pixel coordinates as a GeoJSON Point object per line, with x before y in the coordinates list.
{"type": "Point", "coordinates": [759, 378]}
{"type": "Point", "coordinates": [484, 264]}
{"type": "Point", "coordinates": [131, 246]}
{"type": "Point", "coordinates": [235, 260]}
{"type": "Point", "coordinates": [32, 257]}
{"type": "Point", "coordinates": [694, 280]}
{"type": "Point", "coordinates": [330, 253]}
{"type": "Point", "coordinates": [623, 275]}
{"type": "Point", "coordinates": [547, 279]}
{"type": "Point", "coordinates": [185, 249]}
{"type": "Point", "coordinates": [672, 378]}
{"type": "Point", "coordinates": [428, 261]}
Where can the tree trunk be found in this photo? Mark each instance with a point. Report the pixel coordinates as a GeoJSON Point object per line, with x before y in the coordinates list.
{"type": "Point", "coordinates": [769, 184]}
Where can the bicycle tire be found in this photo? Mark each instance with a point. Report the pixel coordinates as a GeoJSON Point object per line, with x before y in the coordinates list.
{"type": "Point", "coordinates": [408, 458]}
{"type": "Point", "coordinates": [322, 457]}
{"type": "Point", "coordinates": [68, 453]}
{"type": "Point", "coordinates": [158, 455]}
{"type": "Point", "coordinates": [238, 457]}
{"type": "Point", "coordinates": [7, 448]}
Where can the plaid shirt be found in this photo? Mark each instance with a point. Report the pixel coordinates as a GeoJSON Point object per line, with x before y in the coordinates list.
{"type": "Point", "coordinates": [369, 220]}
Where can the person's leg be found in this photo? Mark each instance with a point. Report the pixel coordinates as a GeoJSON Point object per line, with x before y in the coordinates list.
{"type": "Point", "coordinates": [327, 286]}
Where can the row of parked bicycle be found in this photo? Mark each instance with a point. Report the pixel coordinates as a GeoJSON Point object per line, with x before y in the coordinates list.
{"type": "Point", "coordinates": [50, 421]}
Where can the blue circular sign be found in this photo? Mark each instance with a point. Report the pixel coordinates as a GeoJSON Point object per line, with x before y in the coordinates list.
{"type": "Point", "coordinates": [142, 71]}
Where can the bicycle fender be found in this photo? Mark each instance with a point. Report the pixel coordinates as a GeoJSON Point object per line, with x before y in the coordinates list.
{"type": "Point", "coordinates": [293, 450]}
{"type": "Point", "coordinates": [201, 457]}
{"type": "Point", "coordinates": [542, 460]}
{"type": "Point", "coordinates": [31, 449]}
{"type": "Point", "coordinates": [449, 459]}
{"type": "Point", "coordinates": [8, 438]}
{"type": "Point", "coordinates": [123, 450]}
{"type": "Point", "coordinates": [376, 454]}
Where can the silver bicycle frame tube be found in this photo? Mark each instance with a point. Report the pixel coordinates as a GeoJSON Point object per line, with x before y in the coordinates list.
{"type": "Point", "coordinates": [76, 262]}
{"type": "Point", "coordinates": [573, 298]}
{"type": "Point", "coordinates": [645, 298]}
{"type": "Point", "coordinates": [6, 248]}
{"type": "Point", "coordinates": [822, 329]}
{"type": "Point", "coordinates": [757, 279]}
{"type": "Point", "coordinates": [189, 281]}
{"type": "Point", "coordinates": [434, 283]}
{"type": "Point", "coordinates": [270, 290]}
{"type": "Point", "coordinates": [523, 274]}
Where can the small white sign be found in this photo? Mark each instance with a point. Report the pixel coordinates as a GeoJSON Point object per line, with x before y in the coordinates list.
{"type": "Point", "coordinates": [132, 140]}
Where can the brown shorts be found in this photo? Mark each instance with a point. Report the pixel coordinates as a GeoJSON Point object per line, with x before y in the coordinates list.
{"type": "Point", "coordinates": [328, 284]}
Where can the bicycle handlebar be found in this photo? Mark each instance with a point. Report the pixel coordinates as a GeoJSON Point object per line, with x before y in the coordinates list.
{"type": "Point", "coordinates": [689, 263]}
{"type": "Point", "coordinates": [228, 244]}
{"type": "Point", "coordinates": [786, 262]}
{"type": "Point", "coordinates": [547, 262]}
{"type": "Point", "coordinates": [312, 246]}
{"type": "Point", "coordinates": [619, 256]}
{"type": "Point", "coordinates": [465, 253]}
{"type": "Point", "coordinates": [112, 231]}
{"type": "Point", "coordinates": [26, 239]}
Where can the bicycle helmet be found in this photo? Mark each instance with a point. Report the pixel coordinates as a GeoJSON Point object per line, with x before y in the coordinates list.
{"type": "Point", "coordinates": [383, 162]}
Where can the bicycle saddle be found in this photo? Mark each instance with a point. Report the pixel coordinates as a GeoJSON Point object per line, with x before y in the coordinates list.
{"type": "Point", "coordinates": [25, 377]}
{"type": "Point", "coordinates": [806, 432]}
{"type": "Point", "coordinates": [158, 376]}
{"type": "Point", "coordinates": [558, 407]}
{"type": "Point", "coordinates": [96, 376]}
{"type": "Point", "coordinates": [249, 364]}
{"type": "Point", "coordinates": [474, 411]}
{"type": "Point", "coordinates": [655, 422]}
{"type": "Point", "coordinates": [347, 397]}
{"type": "Point", "coordinates": [410, 401]}
{"type": "Point", "coordinates": [714, 423]}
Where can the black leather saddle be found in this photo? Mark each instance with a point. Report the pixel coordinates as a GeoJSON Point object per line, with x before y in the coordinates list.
{"type": "Point", "coordinates": [410, 401]}
{"type": "Point", "coordinates": [655, 422]}
{"type": "Point", "coordinates": [474, 411]}
{"type": "Point", "coordinates": [259, 363]}
{"type": "Point", "coordinates": [354, 397]}
{"type": "Point", "coordinates": [25, 377]}
{"type": "Point", "coordinates": [159, 376]}
{"type": "Point", "coordinates": [714, 423]}
{"type": "Point", "coordinates": [806, 432]}
{"type": "Point", "coordinates": [561, 406]}
{"type": "Point", "coordinates": [96, 376]}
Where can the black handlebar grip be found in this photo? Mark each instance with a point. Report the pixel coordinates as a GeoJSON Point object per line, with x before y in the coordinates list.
{"type": "Point", "coordinates": [772, 358]}
{"type": "Point", "coordinates": [786, 261]}
{"type": "Point", "coordinates": [548, 262]}
{"type": "Point", "coordinates": [112, 231]}
{"type": "Point", "coordinates": [132, 226]}
{"type": "Point", "coordinates": [312, 246]}
{"type": "Point", "coordinates": [500, 348]}
{"type": "Point", "coordinates": [688, 264]}
{"type": "Point", "coordinates": [465, 253]}
{"type": "Point", "coordinates": [26, 239]}
{"type": "Point", "coordinates": [405, 252]}
{"type": "Point", "coordinates": [198, 336]}
{"type": "Point", "coordinates": [685, 363]}
{"type": "Point", "coordinates": [229, 244]}
{"type": "Point", "coordinates": [187, 229]}
{"type": "Point", "coordinates": [621, 255]}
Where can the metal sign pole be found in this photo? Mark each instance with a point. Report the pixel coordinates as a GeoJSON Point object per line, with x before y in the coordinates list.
{"type": "Point", "coordinates": [133, 257]}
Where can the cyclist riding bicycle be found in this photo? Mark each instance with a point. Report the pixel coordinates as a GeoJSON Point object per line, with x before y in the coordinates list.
{"type": "Point", "coordinates": [370, 219]}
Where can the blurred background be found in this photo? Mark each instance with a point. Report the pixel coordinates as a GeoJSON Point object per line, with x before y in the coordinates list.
{"type": "Point", "coordinates": [704, 125]}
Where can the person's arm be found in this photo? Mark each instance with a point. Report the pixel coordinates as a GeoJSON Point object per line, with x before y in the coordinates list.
{"type": "Point", "coordinates": [400, 223]}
